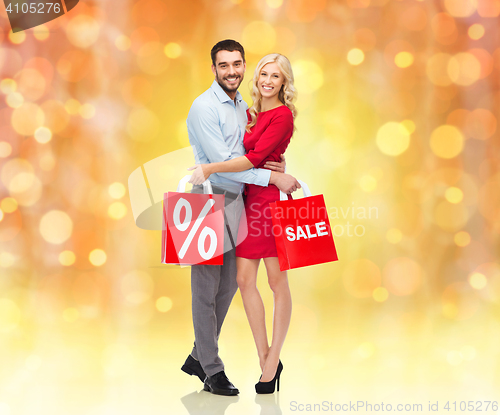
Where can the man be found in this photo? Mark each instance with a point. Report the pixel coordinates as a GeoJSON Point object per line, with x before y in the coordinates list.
{"type": "Point", "coordinates": [216, 126]}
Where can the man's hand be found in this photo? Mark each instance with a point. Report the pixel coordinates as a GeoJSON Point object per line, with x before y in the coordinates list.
{"type": "Point", "coordinates": [275, 166]}
{"type": "Point", "coordinates": [200, 174]}
{"type": "Point", "coordinates": [286, 183]}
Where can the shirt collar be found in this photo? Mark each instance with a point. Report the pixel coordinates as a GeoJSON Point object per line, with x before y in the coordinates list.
{"type": "Point", "coordinates": [221, 94]}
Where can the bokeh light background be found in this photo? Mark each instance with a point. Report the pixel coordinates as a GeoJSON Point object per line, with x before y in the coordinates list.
{"type": "Point", "coordinates": [398, 127]}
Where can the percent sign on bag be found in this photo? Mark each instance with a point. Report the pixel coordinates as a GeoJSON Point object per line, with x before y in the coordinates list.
{"type": "Point", "coordinates": [193, 229]}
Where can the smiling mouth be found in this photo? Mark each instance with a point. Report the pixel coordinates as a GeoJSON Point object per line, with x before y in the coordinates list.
{"type": "Point", "coordinates": [232, 79]}
{"type": "Point", "coordinates": [267, 88]}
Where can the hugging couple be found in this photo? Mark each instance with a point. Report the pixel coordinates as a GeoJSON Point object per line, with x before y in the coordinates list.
{"type": "Point", "coordinates": [239, 149]}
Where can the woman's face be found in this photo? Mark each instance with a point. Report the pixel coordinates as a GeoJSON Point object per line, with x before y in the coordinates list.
{"type": "Point", "coordinates": [270, 80]}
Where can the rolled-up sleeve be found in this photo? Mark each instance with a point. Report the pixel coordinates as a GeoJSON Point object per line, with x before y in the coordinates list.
{"type": "Point", "coordinates": [278, 131]}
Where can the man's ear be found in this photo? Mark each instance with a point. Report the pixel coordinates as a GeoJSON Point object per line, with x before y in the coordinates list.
{"type": "Point", "coordinates": [214, 71]}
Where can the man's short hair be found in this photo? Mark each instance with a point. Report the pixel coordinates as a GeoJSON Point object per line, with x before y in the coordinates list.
{"type": "Point", "coordinates": [229, 45]}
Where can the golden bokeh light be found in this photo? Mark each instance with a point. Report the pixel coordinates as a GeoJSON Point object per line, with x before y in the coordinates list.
{"type": "Point", "coordinates": [480, 124]}
{"type": "Point", "coordinates": [43, 135]}
{"type": "Point", "coordinates": [67, 258]}
{"type": "Point", "coordinates": [402, 276]}
{"type": "Point", "coordinates": [5, 149]}
{"type": "Point", "coordinates": [123, 43]}
{"type": "Point", "coordinates": [117, 210]}
{"type": "Point", "coordinates": [393, 139]}
{"type": "Point", "coordinates": [97, 257]}
{"type": "Point", "coordinates": [41, 32]}
{"type": "Point", "coordinates": [274, 4]}
{"type": "Point", "coordinates": [259, 37]}
{"type": "Point", "coordinates": [82, 31]}
{"type": "Point", "coordinates": [56, 115]}
{"type": "Point", "coordinates": [413, 18]}
{"type": "Point", "coordinates": [368, 183]}
{"type": "Point", "coordinates": [454, 195]}
{"type": "Point", "coordinates": [365, 39]}
{"type": "Point", "coordinates": [462, 239]}
{"type": "Point", "coordinates": [72, 106]}
{"type": "Point", "coordinates": [56, 227]}
{"type": "Point", "coordinates": [487, 8]}
{"type": "Point", "coordinates": [1, 215]}
{"type": "Point", "coordinates": [355, 56]}
{"type": "Point", "coordinates": [380, 294]}
{"type": "Point", "coordinates": [31, 84]}
{"type": "Point", "coordinates": [308, 76]}
{"type": "Point", "coordinates": [404, 59]}
{"type": "Point", "coordinates": [7, 259]}
{"type": "Point", "coordinates": [117, 190]}
{"type": "Point", "coordinates": [164, 304]}
{"type": "Point", "coordinates": [477, 281]}
{"type": "Point", "coordinates": [437, 69]}
{"type": "Point", "coordinates": [27, 118]}
{"type": "Point", "coordinates": [409, 125]}
{"type": "Point", "coordinates": [17, 38]}
{"type": "Point", "coordinates": [394, 235]}
{"type": "Point", "coordinates": [47, 161]}
{"type": "Point", "coordinates": [8, 85]}
{"type": "Point", "coordinates": [8, 205]}
{"type": "Point", "coordinates": [14, 100]}
{"type": "Point", "coordinates": [10, 315]}
{"type": "Point", "coordinates": [464, 69]}
{"type": "Point", "coordinates": [447, 141]}
{"type": "Point", "coordinates": [476, 31]}
{"type": "Point", "coordinates": [172, 50]}
{"type": "Point", "coordinates": [17, 174]}
{"type": "Point", "coordinates": [87, 111]}
{"type": "Point", "coordinates": [450, 216]}
{"type": "Point", "coordinates": [460, 8]}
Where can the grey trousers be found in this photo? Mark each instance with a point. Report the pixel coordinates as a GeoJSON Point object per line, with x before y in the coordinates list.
{"type": "Point", "coordinates": [213, 288]}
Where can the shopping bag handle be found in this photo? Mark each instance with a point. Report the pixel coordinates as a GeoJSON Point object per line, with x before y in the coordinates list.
{"type": "Point", "coordinates": [305, 191]}
{"type": "Point", "coordinates": [181, 187]}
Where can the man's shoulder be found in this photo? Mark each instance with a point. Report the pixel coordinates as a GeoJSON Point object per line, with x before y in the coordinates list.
{"type": "Point", "coordinates": [204, 102]}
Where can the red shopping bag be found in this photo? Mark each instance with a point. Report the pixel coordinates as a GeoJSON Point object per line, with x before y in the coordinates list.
{"type": "Point", "coordinates": [302, 231]}
{"type": "Point", "coordinates": [193, 227]}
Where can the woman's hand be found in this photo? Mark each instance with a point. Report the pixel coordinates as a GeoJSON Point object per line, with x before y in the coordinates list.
{"type": "Point", "coordinates": [275, 166]}
{"type": "Point", "coordinates": [200, 174]}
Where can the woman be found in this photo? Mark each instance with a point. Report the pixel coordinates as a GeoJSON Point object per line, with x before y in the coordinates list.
{"type": "Point", "coordinates": [268, 134]}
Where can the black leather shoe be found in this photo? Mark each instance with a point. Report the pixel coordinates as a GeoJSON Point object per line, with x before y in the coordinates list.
{"type": "Point", "coordinates": [192, 367]}
{"type": "Point", "coordinates": [219, 385]}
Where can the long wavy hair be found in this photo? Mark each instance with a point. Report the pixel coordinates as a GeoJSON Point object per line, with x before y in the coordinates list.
{"type": "Point", "coordinates": [287, 93]}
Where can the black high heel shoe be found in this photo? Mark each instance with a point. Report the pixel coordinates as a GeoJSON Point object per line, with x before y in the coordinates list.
{"type": "Point", "coordinates": [268, 387]}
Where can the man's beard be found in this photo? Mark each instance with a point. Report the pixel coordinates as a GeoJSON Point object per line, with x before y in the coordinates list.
{"type": "Point", "coordinates": [225, 87]}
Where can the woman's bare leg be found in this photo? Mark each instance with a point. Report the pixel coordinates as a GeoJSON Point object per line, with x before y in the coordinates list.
{"type": "Point", "coordinates": [254, 306]}
{"type": "Point", "coordinates": [278, 282]}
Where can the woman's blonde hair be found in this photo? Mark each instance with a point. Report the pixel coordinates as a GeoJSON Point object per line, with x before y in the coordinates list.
{"type": "Point", "coordinates": [287, 92]}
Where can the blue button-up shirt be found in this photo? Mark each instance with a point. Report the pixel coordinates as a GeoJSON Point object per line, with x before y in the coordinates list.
{"type": "Point", "coordinates": [216, 126]}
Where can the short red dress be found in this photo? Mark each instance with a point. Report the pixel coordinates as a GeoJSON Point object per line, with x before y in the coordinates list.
{"type": "Point", "coordinates": [268, 139]}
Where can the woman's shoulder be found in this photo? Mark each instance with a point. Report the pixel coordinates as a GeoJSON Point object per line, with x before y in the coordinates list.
{"type": "Point", "coordinates": [283, 113]}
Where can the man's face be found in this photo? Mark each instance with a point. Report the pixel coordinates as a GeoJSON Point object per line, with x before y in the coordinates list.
{"type": "Point", "coordinates": [229, 70]}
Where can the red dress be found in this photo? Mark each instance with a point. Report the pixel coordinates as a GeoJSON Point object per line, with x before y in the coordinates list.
{"type": "Point", "coordinates": [268, 139]}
